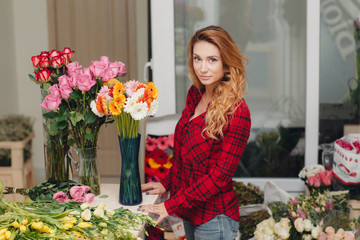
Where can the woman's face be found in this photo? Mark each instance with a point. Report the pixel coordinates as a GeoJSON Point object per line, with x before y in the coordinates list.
{"type": "Point", "coordinates": [207, 63]}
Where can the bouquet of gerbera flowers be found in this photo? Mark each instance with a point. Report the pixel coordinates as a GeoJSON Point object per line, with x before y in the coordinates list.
{"type": "Point", "coordinates": [127, 104]}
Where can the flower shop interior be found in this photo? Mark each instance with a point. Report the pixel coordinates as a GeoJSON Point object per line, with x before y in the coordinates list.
{"type": "Point", "coordinates": [298, 177]}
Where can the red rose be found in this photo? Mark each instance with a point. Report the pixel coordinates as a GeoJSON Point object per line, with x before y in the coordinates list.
{"type": "Point", "coordinates": [54, 53]}
{"type": "Point", "coordinates": [36, 60]}
{"type": "Point", "coordinates": [44, 54]}
{"type": "Point", "coordinates": [43, 75]}
{"type": "Point", "coordinates": [57, 61]}
{"type": "Point", "coordinates": [44, 62]}
{"type": "Point", "coordinates": [67, 51]}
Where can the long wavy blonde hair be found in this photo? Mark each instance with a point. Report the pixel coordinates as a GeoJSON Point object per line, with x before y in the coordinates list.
{"type": "Point", "coordinates": [231, 89]}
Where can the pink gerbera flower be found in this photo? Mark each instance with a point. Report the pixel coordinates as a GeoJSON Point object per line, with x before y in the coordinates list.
{"type": "Point", "coordinates": [104, 91]}
{"type": "Point", "coordinates": [171, 140]}
{"type": "Point", "coordinates": [151, 143]}
{"type": "Point", "coordinates": [130, 87]}
{"type": "Point", "coordinates": [163, 143]}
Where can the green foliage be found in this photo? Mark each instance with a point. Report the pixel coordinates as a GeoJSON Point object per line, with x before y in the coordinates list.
{"type": "Point", "coordinates": [247, 194]}
{"type": "Point", "coordinates": [247, 225]}
{"type": "Point", "coordinates": [279, 210]}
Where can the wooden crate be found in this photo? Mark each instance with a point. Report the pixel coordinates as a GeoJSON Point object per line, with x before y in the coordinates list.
{"type": "Point", "coordinates": [20, 174]}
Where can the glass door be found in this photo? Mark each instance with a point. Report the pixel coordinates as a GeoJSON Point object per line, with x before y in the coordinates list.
{"type": "Point", "coordinates": [275, 36]}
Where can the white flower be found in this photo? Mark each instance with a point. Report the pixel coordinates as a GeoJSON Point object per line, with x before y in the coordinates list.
{"type": "Point", "coordinates": [139, 111]}
{"type": "Point", "coordinates": [154, 106]}
{"type": "Point", "coordinates": [110, 212]}
{"type": "Point", "coordinates": [99, 212]}
{"type": "Point", "coordinates": [306, 237]}
{"type": "Point", "coordinates": [315, 232]}
{"type": "Point", "coordinates": [94, 110]}
{"type": "Point", "coordinates": [284, 222]}
{"type": "Point", "coordinates": [74, 213]}
{"type": "Point", "coordinates": [299, 225]}
{"type": "Point", "coordinates": [308, 225]}
{"type": "Point", "coordinates": [84, 206]}
{"type": "Point", "coordinates": [101, 205]}
{"type": "Point", "coordinates": [86, 215]}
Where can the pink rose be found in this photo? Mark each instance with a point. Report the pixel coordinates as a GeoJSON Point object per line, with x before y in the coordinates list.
{"type": "Point", "coordinates": [85, 188]}
{"type": "Point", "coordinates": [73, 68]}
{"type": "Point", "coordinates": [310, 181]}
{"type": "Point", "coordinates": [44, 54]}
{"type": "Point", "coordinates": [330, 230]}
{"type": "Point", "coordinates": [51, 102]}
{"type": "Point", "coordinates": [301, 213]}
{"type": "Point", "coordinates": [65, 91]}
{"type": "Point", "coordinates": [79, 199]}
{"type": "Point", "coordinates": [322, 236]}
{"type": "Point", "coordinates": [294, 201]}
{"type": "Point", "coordinates": [349, 236]}
{"type": "Point", "coordinates": [98, 69]}
{"type": "Point", "coordinates": [76, 191]}
{"type": "Point", "coordinates": [36, 60]}
{"type": "Point", "coordinates": [61, 197]}
{"type": "Point", "coordinates": [329, 205]}
{"type": "Point", "coordinates": [43, 75]}
{"type": "Point", "coordinates": [108, 74]}
{"type": "Point", "coordinates": [84, 82]}
{"type": "Point", "coordinates": [64, 80]}
{"type": "Point", "coordinates": [89, 197]}
{"type": "Point", "coordinates": [55, 91]}
{"type": "Point", "coordinates": [317, 181]}
{"type": "Point", "coordinates": [121, 67]}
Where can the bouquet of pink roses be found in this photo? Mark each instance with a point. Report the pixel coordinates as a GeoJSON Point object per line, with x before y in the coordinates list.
{"type": "Point", "coordinates": [76, 193]}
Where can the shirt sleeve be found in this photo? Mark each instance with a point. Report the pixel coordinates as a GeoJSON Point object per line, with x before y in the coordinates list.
{"type": "Point", "coordinates": [231, 149]}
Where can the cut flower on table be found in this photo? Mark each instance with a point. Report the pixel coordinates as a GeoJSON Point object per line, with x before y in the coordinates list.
{"type": "Point", "coordinates": [71, 220]}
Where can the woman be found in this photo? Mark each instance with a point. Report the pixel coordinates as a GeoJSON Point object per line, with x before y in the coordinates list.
{"type": "Point", "coordinates": [210, 138]}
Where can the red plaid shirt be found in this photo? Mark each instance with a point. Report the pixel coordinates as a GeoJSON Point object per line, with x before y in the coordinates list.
{"type": "Point", "coordinates": [200, 180]}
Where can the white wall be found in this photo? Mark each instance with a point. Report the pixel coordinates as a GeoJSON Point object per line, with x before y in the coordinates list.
{"type": "Point", "coordinates": [23, 27]}
{"type": "Point", "coordinates": [8, 80]}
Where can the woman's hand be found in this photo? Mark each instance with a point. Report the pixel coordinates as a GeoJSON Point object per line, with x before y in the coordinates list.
{"type": "Point", "coordinates": [158, 209]}
{"type": "Point", "coordinates": [153, 188]}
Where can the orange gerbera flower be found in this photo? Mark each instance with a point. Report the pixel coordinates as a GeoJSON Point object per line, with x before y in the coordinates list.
{"type": "Point", "coordinates": [154, 91]}
{"type": "Point", "coordinates": [111, 81]}
{"type": "Point", "coordinates": [101, 105]}
{"type": "Point", "coordinates": [140, 85]}
{"type": "Point", "coordinates": [114, 108]}
{"type": "Point", "coordinates": [153, 163]}
{"type": "Point", "coordinates": [120, 100]}
{"type": "Point", "coordinates": [118, 89]}
{"type": "Point", "coordinates": [147, 98]}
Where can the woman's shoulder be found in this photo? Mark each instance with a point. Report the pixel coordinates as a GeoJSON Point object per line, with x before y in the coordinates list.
{"type": "Point", "coordinates": [193, 94]}
{"type": "Point", "coordinates": [241, 108]}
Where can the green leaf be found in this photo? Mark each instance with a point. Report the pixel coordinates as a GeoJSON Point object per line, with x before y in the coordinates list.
{"type": "Point", "coordinates": [32, 77]}
{"type": "Point", "coordinates": [90, 117]}
{"type": "Point", "coordinates": [75, 117]}
{"type": "Point", "coordinates": [104, 196]}
{"type": "Point", "coordinates": [64, 117]}
{"type": "Point", "coordinates": [89, 136]}
{"type": "Point", "coordinates": [50, 114]}
{"type": "Point", "coordinates": [62, 125]}
{"type": "Point", "coordinates": [76, 95]}
{"type": "Point", "coordinates": [54, 126]}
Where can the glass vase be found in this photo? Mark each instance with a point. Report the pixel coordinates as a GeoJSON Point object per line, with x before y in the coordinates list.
{"type": "Point", "coordinates": [89, 174]}
{"type": "Point", "coordinates": [130, 185]}
{"type": "Point", "coordinates": [57, 165]}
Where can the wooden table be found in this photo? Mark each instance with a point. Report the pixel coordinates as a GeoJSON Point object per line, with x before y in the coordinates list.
{"type": "Point", "coordinates": [112, 201]}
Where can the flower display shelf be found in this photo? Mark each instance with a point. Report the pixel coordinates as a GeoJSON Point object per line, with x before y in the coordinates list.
{"type": "Point", "coordinates": [20, 173]}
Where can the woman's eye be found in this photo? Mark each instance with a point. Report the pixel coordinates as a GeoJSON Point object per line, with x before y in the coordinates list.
{"type": "Point", "coordinates": [213, 60]}
{"type": "Point", "coordinates": [197, 59]}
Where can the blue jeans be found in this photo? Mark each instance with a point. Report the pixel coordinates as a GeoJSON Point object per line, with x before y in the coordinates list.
{"type": "Point", "coordinates": [220, 227]}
